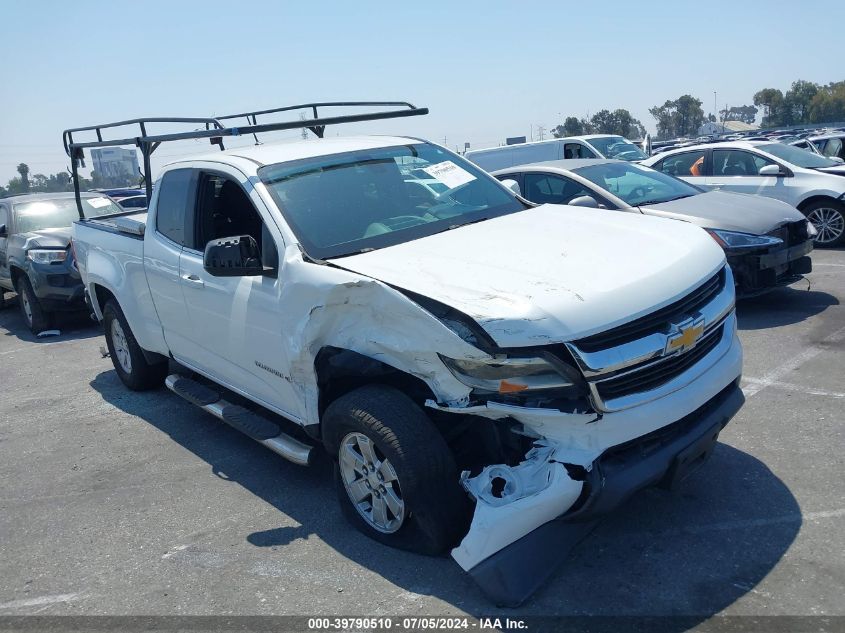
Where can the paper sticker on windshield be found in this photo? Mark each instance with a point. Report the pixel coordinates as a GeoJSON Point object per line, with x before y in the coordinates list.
{"type": "Point", "coordinates": [449, 174]}
{"type": "Point", "coordinates": [98, 203]}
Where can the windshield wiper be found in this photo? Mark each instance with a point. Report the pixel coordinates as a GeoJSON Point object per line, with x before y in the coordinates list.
{"type": "Point", "coordinates": [681, 197]}
{"type": "Point", "coordinates": [457, 226]}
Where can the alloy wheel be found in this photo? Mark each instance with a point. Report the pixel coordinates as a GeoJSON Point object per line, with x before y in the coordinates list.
{"type": "Point", "coordinates": [371, 483]}
{"type": "Point", "coordinates": [829, 223]}
{"type": "Point", "coordinates": [121, 346]}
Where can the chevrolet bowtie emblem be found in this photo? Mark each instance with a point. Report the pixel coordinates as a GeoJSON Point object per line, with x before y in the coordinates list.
{"type": "Point", "coordinates": [687, 335]}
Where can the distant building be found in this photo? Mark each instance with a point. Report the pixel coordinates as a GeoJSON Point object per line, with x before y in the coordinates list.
{"type": "Point", "coordinates": [115, 162]}
{"type": "Point", "coordinates": [728, 127]}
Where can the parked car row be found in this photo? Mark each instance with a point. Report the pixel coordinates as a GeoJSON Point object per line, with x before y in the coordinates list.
{"type": "Point", "coordinates": [813, 184]}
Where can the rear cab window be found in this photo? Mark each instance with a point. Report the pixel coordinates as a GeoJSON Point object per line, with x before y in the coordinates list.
{"type": "Point", "coordinates": [175, 196]}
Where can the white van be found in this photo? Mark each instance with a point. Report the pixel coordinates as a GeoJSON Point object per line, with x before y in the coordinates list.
{"type": "Point", "coordinates": [588, 146]}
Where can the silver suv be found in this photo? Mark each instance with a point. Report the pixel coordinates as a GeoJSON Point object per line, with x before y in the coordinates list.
{"type": "Point", "coordinates": [812, 183]}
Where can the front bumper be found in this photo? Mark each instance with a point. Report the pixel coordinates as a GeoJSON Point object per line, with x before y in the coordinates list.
{"type": "Point", "coordinates": [58, 287]}
{"type": "Point", "coordinates": [664, 457]}
{"type": "Point", "coordinates": [762, 270]}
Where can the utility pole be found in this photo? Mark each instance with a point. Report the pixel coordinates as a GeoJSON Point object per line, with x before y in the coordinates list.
{"type": "Point", "coordinates": [715, 107]}
{"type": "Point", "coordinates": [304, 130]}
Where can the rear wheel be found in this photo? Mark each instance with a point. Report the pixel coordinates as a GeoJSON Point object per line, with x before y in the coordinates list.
{"type": "Point", "coordinates": [127, 356]}
{"type": "Point", "coordinates": [828, 216]}
{"type": "Point", "coordinates": [395, 476]}
{"type": "Point", "coordinates": [35, 317]}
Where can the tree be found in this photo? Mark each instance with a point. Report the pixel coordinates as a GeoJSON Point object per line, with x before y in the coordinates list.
{"type": "Point", "coordinates": [572, 126]}
{"type": "Point", "coordinates": [681, 117]}
{"type": "Point", "coordinates": [797, 101]}
{"type": "Point", "coordinates": [828, 104]}
{"type": "Point", "coordinates": [746, 114]}
{"type": "Point", "coordinates": [771, 100]}
{"type": "Point", "coordinates": [619, 122]}
{"type": "Point", "coordinates": [23, 170]}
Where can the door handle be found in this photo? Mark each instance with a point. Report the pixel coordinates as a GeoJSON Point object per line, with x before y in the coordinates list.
{"type": "Point", "coordinates": [193, 280]}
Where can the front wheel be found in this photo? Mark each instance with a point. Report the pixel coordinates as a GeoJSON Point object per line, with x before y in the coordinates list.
{"type": "Point", "coordinates": [36, 318]}
{"type": "Point", "coordinates": [395, 476]}
{"type": "Point", "coordinates": [127, 356]}
{"type": "Point", "coordinates": [828, 216]}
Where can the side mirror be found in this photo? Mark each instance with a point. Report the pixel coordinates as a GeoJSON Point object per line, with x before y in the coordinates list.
{"type": "Point", "coordinates": [770, 170]}
{"type": "Point", "coordinates": [513, 185]}
{"type": "Point", "coordinates": [584, 201]}
{"type": "Point", "coordinates": [3, 231]}
{"type": "Point", "coordinates": [236, 256]}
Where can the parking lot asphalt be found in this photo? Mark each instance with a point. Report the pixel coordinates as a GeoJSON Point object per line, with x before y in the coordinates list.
{"type": "Point", "coordinates": [115, 502]}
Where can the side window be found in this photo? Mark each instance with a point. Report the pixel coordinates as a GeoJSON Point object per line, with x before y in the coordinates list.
{"type": "Point", "coordinates": [735, 162]}
{"type": "Point", "coordinates": [577, 150]}
{"type": "Point", "coordinates": [4, 217]}
{"type": "Point", "coordinates": [685, 164]}
{"type": "Point", "coordinates": [172, 208]}
{"type": "Point", "coordinates": [543, 188]}
{"type": "Point", "coordinates": [225, 210]}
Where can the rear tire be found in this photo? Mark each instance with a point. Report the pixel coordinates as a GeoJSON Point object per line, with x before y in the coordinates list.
{"type": "Point", "coordinates": [828, 216]}
{"type": "Point", "coordinates": [36, 318]}
{"type": "Point", "coordinates": [127, 356]}
{"type": "Point", "coordinates": [421, 506]}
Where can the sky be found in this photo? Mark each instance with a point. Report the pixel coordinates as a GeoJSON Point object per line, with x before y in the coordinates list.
{"type": "Point", "coordinates": [486, 70]}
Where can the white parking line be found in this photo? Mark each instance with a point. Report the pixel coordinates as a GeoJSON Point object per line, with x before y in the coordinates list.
{"type": "Point", "coordinates": [825, 264]}
{"type": "Point", "coordinates": [812, 391]}
{"type": "Point", "coordinates": [792, 364]}
{"type": "Point", "coordinates": [37, 602]}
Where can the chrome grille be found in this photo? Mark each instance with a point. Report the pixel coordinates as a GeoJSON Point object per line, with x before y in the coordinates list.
{"type": "Point", "coordinates": [656, 321]}
{"type": "Point", "coordinates": [643, 360]}
{"type": "Point", "coordinates": [657, 374]}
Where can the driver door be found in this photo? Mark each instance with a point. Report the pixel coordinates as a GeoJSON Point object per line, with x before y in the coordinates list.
{"type": "Point", "coordinates": [236, 337]}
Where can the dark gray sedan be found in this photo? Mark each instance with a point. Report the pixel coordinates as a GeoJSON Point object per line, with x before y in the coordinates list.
{"type": "Point", "coordinates": [766, 241]}
{"type": "Point", "coordinates": [36, 260]}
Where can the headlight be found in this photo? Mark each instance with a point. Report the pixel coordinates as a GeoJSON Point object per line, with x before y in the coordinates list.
{"type": "Point", "coordinates": [811, 229]}
{"type": "Point", "coordinates": [513, 375]}
{"type": "Point", "coordinates": [45, 256]}
{"type": "Point", "coordinates": [732, 239]}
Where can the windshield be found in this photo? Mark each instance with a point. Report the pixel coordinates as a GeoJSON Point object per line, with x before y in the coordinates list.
{"type": "Point", "coordinates": [348, 203]}
{"type": "Point", "coordinates": [58, 213]}
{"type": "Point", "coordinates": [796, 156]}
{"type": "Point", "coordinates": [637, 185]}
{"type": "Point", "coordinates": [617, 147]}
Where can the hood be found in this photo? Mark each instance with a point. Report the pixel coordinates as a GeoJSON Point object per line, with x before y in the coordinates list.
{"type": "Point", "coordinates": [49, 238]}
{"type": "Point", "coordinates": [728, 211]}
{"type": "Point", "coordinates": [838, 170]}
{"type": "Point", "coordinates": [552, 273]}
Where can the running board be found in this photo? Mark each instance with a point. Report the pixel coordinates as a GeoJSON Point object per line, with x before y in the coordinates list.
{"type": "Point", "coordinates": [248, 422]}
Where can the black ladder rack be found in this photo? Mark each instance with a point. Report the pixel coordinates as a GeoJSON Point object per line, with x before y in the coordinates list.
{"type": "Point", "coordinates": [215, 130]}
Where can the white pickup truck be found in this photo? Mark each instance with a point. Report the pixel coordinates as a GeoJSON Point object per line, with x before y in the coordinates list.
{"type": "Point", "coordinates": [490, 376]}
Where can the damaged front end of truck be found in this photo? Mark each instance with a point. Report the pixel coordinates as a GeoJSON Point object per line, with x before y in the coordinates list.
{"type": "Point", "coordinates": [598, 419]}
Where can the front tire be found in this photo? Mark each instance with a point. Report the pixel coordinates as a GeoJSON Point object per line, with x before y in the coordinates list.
{"type": "Point", "coordinates": [127, 356]}
{"type": "Point", "coordinates": [828, 216]}
{"type": "Point", "coordinates": [36, 318]}
{"type": "Point", "coordinates": [396, 479]}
